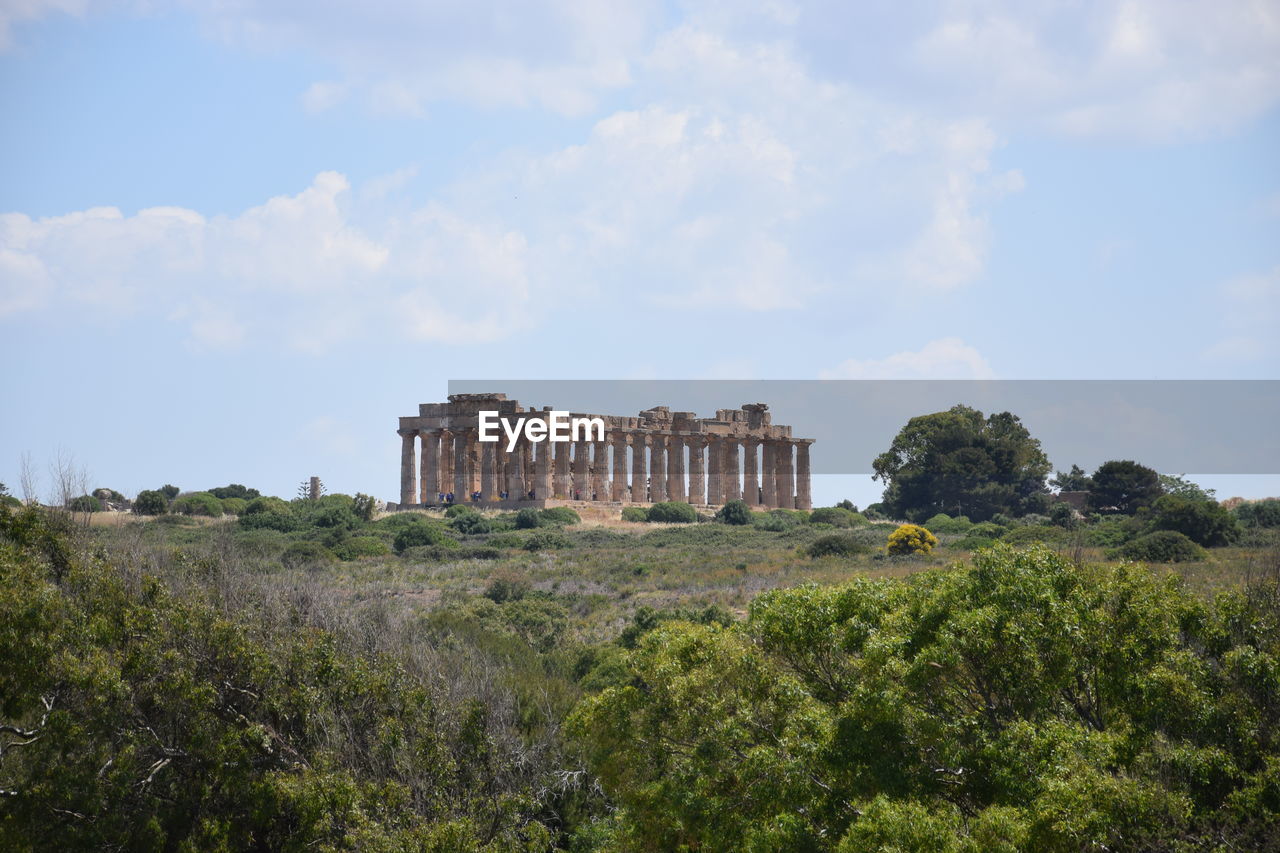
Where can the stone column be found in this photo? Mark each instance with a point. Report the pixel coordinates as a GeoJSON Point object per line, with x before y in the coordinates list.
{"type": "Point", "coordinates": [429, 483]}
{"type": "Point", "coordinates": [530, 476]}
{"type": "Point", "coordinates": [715, 480]}
{"type": "Point", "coordinates": [619, 467]}
{"type": "Point", "coordinates": [697, 477]}
{"type": "Point", "coordinates": [658, 468]}
{"type": "Point", "coordinates": [675, 469]}
{"type": "Point", "coordinates": [600, 471]}
{"type": "Point", "coordinates": [542, 485]}
{"type": "Point", "coordinates": [729, 471]}
{"type": "Point", "coordinates": [488, 470]}
{"type": "Point", "coordinates": [461, 464]}
{"type": "Point", "coordinates": [408, 462]}
{"type": "Point", "coordinates": [750, 473]}
{"type": "Point", "coordinates": [581, 467]}
{"type": "Point", "coordinates": [804, 494]}
{"type": "Point", "coordinates": [515, 472]}
{"type": "Point", "coordinates": [768, 475]}
{"type": "Point", "coordinates": [560, 484]}
{"type": "Point", "coordinates": [639, 469]}
{"type": "Point", "coordinates": [445, 482]}
{"type": "Point", "coordinates": [786, 485]}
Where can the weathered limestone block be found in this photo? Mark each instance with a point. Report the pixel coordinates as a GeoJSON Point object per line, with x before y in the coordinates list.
{"type": "Point", "coordinates": [639, 468]}
{"type": "Point", "coordinates": [675, 468]}
{"type": "Point", "coordinates": [804, 494]}
{"type": "Point", "coordinates": [729, 472]}
{"type": "Point", "coordinates": [750, 472]}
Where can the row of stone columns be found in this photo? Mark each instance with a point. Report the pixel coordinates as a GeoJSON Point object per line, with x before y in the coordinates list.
{"type": "Point", "coordinates": [457, 462]}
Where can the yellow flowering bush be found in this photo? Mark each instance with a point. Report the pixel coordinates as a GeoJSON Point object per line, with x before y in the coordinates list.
{"type": "Point", "coordinates": [911, 539]}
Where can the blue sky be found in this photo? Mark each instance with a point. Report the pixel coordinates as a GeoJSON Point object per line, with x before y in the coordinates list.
{"type": "Point", "coordinates": [238, 239]}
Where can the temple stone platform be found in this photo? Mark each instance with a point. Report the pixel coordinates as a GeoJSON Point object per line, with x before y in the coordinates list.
{"type": "Point", "coordinates": [599, 510]}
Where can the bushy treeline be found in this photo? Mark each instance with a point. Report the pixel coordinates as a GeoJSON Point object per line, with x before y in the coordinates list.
{"type": "Point", "coordinates": [137, 719]}
{"type": "Point", "coordinates": [1023, 703]}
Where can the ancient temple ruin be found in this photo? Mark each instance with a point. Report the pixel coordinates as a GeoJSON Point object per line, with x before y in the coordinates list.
{"type": "Point", "coordinates": [658, 455]}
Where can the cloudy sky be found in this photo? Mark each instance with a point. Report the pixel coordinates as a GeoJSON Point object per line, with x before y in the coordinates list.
{"type": "Point", "coordinates": [238, 237]}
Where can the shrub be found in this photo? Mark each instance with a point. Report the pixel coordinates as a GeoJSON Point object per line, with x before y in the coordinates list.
{"type": "Point", "coordinates": [1064, 515]}
{"type": "Point", "coordinates": [304, 554]}
{"type": "Point", "coordinates": [198, 503]}
{"type": "Point", "coordinates": [986, 529]}
{"type": "Point", "coordinates": [734, 512]}
{"type": "Point", "coordinates": [335, 518]}
{"type": "Point", "coordinates": [834, 515]}
{"type": "Point", "coordinates": [85, 503]}
{"type": "Point", "coordinates": [1206, 523]}
{"type": "Point", "coordinates": [1033, 533]}
{"type": "Point", "coordinates": [836, 545]}
{"type": "Point", "coordinates": [472, 524]}
{"type": "Point", "coordinates": [235, 490]}
{"type": "Point", "coordinates": [1259, 513]}
{"type": "Point", "coordinates": [234, 506]}
{"type": "Point", "coordinates": [635, 513]}
{"type": "Point", "coordinates": [911, 539]}
{"type": "Point", "coordinates": [506, 585]}
{"type": "Point", "coordinates": [527, 519]}
{"type": "Point", "coordinates": [972, 543]}
{"type": "Point", "coordinates": [421, 533]}
{"type": "Point", "coordinates": [150, 502]}
{"type": "Point", "coordinates": [283, 521]}
{"type": "Point", "coordinates": [361, 546]}
{"type": "Point", "coordinates": [547, 540]}
{"type": "Point", "coordinates": [876, 512]}
{"type": "Point", "coordinates": [1162, 546]}
{"type": "Point", "coordinates": [265, 505]}
{"type": "Point", "coordinates": [456, 510]}
{"type": "Point", "coordinates": [559, 515]}
{"type": "Point", "coordinates": [364, 506]}
{"type": "Point", "coordinates": [673, 512]}
{"type": "Point", "coordinates": [505, 540]}
{"type": "Point", "coordinates": [169, 491]}
{"type": "Point", "coordinates": [943, 523]}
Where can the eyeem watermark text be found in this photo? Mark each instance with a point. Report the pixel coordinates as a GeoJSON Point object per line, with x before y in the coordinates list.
{"type": "Point", "coordinates": [557, 426]}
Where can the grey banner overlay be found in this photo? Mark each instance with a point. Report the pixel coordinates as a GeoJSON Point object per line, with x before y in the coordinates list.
{"type": "Point", "coordinates": [1174, 426]}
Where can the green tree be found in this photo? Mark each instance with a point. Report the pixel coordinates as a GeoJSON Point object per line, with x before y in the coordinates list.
{"type": "Point", "coordinates": [1204, 522]}
{"type": "Point", "coordinates": [150, 502]}
{"type": "Point", "coordinates": [1179, 485]}
{"type": "Point", "coordinates": [961, 463]}
{"type": "Point", "coordinates": [734, 512]}
{"type": "Point", "coordinates": [1075, 480]}
{"type": "Point", "coordinates": [1123, 486]}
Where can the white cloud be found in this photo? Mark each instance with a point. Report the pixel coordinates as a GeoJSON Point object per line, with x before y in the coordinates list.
{"type": "Point", "coordinates": [19, 11]}
{"type": "Point", "coordinates": [400, 55]}
{"type": "Point", "coordinates": [1147, 69]}
{"type": "Point", "coordinates": [297, 269]}
{"type": "Point", "coordinates": [947, 358]}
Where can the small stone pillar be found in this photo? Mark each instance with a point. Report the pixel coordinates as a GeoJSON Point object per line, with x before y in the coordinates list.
{"type": "Point", "coordinates": [619, 466]}
{"type": "Point", "coordinates": [715, 460]}
{"type": "Point", "coordinates": [530, 474]}
{"type": "Point", "coordinates": [697, 476]}
{"type": "Point", "coordinates": [429, 483]}
{"type": "Point", "coordinates": [639, 469]}
{"type": "Point", "coordinates": [560, 486]}
{"type": "Point", "coordinates": [768, 474]}
{"type": "Point", "coordinates": [804, 494]}
{"type": "Point", "coordinates": [675, 468]}
{"type": "Point", "coordinates": [732, 485]}
{"type": "Point", "coordinates": [658, 468]}
{"type": "Point", "coordinates": [408, 462]}
{"type": "Point", "coordinates": [750, 474]}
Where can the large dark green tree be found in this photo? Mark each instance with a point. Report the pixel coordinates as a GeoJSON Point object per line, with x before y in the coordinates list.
{"type": "Point", "coordinates": [962, 463]}
{"type": "Point", "coordinates": [1123, 486]}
